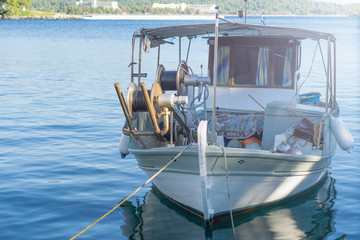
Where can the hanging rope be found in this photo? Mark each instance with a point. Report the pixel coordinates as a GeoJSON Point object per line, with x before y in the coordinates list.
{"type": "Point", "coordinates": [228, 190]}
{"type": "Point", "coordinates": [149, 180]}
{"type": "Point", "coordinates": [311, 66]}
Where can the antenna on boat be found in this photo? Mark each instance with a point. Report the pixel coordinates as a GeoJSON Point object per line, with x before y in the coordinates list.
{"type": "Point", "coordinates": [245, 9]}
{"type": "Point", "coordinates": [215, 74]}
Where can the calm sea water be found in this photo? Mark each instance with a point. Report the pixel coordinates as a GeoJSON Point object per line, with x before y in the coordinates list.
{"type": "Point", "coordinates": [60, 124]}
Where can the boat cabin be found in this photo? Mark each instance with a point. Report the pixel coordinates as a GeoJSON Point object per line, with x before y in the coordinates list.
{"type": "Point", "coordinates": [262, 67]}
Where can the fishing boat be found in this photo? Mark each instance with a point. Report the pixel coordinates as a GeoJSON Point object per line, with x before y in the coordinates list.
{"type": "Point", "coordinates": [242, 136]}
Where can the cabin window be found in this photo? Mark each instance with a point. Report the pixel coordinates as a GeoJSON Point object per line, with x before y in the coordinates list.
{"type": "Point", "coordinates": [251, 66]}
{"type": "Point", "coordinates": [255, 62]}
{"type": "Point", "coordinates": [283, 67]}
{"type": "Point", "coordinates": [223, 64]}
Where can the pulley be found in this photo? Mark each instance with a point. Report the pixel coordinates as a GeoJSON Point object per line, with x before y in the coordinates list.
{"type": "Point", "coordinates": [155, 92]}
{"type": "Point", "coordinates": [161, 100]}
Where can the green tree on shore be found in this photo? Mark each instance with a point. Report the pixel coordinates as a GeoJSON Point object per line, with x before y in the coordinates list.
{"type": "Point", "coordinates": [14, 6]}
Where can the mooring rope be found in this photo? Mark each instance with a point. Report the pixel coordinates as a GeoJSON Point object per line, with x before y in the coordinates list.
{"type": "Point", "coordinates": [228, 191]}
{"type": "Point", "coordinates": [149, 180]}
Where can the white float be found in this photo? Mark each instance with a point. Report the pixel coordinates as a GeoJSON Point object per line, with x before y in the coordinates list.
{"type": "Point", "coordinates": [342, 134]}
{"type": "Point", "coordinates": [124, 145]}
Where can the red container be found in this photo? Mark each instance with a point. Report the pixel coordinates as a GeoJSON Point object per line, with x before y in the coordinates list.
{"type": "Point", "coordinates": [305, 130]}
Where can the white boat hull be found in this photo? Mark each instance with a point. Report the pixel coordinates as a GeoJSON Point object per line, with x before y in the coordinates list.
{"type": "Point", "coordinates": [254, 180]}
{"type": "Point", "coordinates": [245, 191]}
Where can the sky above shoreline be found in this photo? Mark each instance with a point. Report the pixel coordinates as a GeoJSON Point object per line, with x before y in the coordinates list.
{"type": "Point", "coordinates": [339, 1]}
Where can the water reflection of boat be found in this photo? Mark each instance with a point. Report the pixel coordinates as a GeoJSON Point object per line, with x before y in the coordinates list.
{"type": "Point", "coordinates": [311, 216]}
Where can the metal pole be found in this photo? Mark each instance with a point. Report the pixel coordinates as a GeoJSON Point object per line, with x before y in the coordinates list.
{"type": "Point", "coordinates": [215, 75]}
{"type": "Point", "coordinates": [188, 51]}
{"type": "Point", "coordinates": [334, 74]}
{"type": "Point", "coordinates": [158, 58]}
{"type": "Point", "coordinates": [171, 128]}
{"type": "Point", "coordinates": [245, 10]}
{"type": "Point", "coordinates": [139, 66]}
{"type": "Point", "coordinates": [328, 74]}
{"type": "Point", "coordinates": [125, 109]}
{"type": "Point", "coordinates": [132, 58]}
{"type": "Point", "coordinates": [179, 49]}
{"type": "Point", "coordinates": [150, 108]}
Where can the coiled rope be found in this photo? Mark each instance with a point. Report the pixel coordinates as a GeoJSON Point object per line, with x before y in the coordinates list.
{"type": "Point", "coordinates": [149, 180]}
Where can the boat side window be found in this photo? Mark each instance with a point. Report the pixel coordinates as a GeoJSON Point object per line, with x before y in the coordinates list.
{"type": "Point", "coordinates": [223, 65]}
{"type": "Point", "coordinates": [283, 66]}
{"type": "Point", "coordinates": [251, 66]}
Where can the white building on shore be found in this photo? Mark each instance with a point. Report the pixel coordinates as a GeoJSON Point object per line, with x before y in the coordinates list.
{"type": "Point", "coordinates": [180, 6]}
{"type": "Point", "coordinates": [95, 4]}
{"type": "Point", "coordinates": [202, 8]}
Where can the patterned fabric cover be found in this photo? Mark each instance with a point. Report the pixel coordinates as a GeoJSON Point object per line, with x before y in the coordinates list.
{"type": "Point", "coordinates": [237, 125]}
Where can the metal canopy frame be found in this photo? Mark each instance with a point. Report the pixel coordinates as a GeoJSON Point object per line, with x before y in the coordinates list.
{"type": "Point", "coordinates": [157, 36]}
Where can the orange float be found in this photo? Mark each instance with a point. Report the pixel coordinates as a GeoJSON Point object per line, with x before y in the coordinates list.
{"type": "Point", "coordinates": [252, 139]}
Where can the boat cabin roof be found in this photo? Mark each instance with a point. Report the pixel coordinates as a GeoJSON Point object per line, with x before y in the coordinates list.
{"type": "Point", "coordinates": [158, 35]}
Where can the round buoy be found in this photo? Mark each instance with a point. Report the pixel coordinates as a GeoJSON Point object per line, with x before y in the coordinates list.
{"type": "Point", "coordinates": [252, 145]}
{"type": "Point", "coordinates": [251, 139]}
{"type": "Point", "coordinates": [235, 144]}
{"type": "Point", "coordinates": [294, 151]}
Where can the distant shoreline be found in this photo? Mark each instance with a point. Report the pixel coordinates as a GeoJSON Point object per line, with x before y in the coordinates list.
{"type": "Point", "coordinates": [148, 16]}
{"type": "Point", "coordinates": [182, 17]}
{"type": "Point", "coordinates": [113, 17]}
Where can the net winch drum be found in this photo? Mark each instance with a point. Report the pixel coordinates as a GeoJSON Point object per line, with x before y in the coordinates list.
{"type": "Point", "coordinates": [135, 100]}
{"type": "Point", "coordinates": [173, 80]}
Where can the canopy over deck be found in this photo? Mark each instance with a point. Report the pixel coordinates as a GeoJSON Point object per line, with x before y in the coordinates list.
{"type": "Point", "coordinates": [158, 35]}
